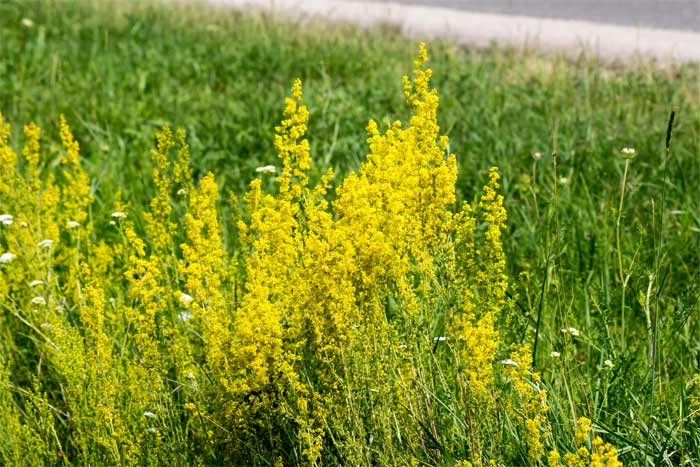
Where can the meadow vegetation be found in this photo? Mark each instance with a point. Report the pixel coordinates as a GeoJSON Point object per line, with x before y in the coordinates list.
{"type": "Point", "coordinates": [507, 275]}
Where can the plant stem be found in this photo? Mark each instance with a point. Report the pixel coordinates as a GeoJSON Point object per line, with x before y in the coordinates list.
{"type": "Point", "coordinates": [623, 279]}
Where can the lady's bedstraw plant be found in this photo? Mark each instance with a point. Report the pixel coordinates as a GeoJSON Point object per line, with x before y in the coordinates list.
{"type": "Point", "coordinates": [367, 331]}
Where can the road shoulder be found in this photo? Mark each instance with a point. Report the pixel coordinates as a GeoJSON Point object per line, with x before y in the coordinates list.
{"type": "Point", "coordinates": [608, 42]}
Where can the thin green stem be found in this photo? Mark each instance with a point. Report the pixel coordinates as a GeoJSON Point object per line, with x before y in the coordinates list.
{"type": "Point", "coordinates": [618, 242]}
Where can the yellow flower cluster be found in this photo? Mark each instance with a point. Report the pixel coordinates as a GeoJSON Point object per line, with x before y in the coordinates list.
{"type": "Point", "coordinates": [32, 211]}
{"type": "Point", "coordinates": [50, 290]}
{"type": "Point", "coordinates": [365, 332]}
{"type": "Point", "coordinates": [592, 450]}
{"type": "Point", "coordinates": [531, 405]}
{"type": "Point", "coordinates": [366, 274]}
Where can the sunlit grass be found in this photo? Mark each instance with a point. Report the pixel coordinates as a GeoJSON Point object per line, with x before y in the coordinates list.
{"type": "Point", "coordinates": [595, 242]}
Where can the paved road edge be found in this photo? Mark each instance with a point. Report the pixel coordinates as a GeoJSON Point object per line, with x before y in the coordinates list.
{"type": "Point", "coordinates": [609, 42]}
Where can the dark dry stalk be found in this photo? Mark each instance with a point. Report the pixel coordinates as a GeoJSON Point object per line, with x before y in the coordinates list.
{"type": "Point", "coordinates": [669, 134]}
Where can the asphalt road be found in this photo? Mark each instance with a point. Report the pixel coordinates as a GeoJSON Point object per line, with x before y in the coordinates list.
{"type": "Point", "coordinates": [683, 15]}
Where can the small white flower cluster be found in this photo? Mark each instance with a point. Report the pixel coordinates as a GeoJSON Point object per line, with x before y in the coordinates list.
{"type": "Point", "coordinates": [554, 354]}
{"type": "Point", "coordinates": [45, 244]}
{"type": "Point", "coordinates": [509, 362]}
{"type": "Point", "coordinates": [6, 219]}
{"type": "Point", "coordinates": [34, 283]}
{"type": "Point", "coordinates": [573, 331]}
{"type": "Point", "coordinates": [149, 414]}
{"type": "Point", "coordinates": [628, 153]}
{"type": "Point", "coordinates": [117, 215]}
{"type": "Point", "coordinates": [72, 224]}
{"type": "Point", "coordinates": [266, 169]}
{"type": "Point", "coordinates": [39, 300]}
{"type": "Point", "coordinates": [7, 257]}
{"type": "Point", "coordinates": [186, 299]}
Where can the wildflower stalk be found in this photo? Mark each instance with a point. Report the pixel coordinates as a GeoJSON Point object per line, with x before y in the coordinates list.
{"type": "Point", "coordinates": [623, 279]}
{"type": "Point", "coordinates": [657, 267]}
{"type": "Point", "coordinates": [368, 330]}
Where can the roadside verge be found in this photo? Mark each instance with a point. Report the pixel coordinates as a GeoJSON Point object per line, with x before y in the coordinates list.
{"type": "Point", "coordinates": [608, 42]}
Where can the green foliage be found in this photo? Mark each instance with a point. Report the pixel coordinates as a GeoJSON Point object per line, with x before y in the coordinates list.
{"type": "Point", "coordinates": [621, 270]}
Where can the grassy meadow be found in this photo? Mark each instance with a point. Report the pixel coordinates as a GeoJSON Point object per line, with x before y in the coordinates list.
{"type": "Point", "coordinates": [164, 300]}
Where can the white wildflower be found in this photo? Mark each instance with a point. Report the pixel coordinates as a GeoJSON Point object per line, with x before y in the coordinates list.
{"type": "Point", "coordinates": [149, 414]}
{"type": "Point", "coordinates": [118, 215]}
{"type": "Point", "coordinates": [39, 300]}
{"type": "Point", "coordinates": [184, 316]}
{"type": "Point", "coordinates": [23, 224]}
{"type": "Point", "coordinates": [440, 339]}
{"type": "Point", "coordinates": [150, 429]}
{"type": "Point", "coordinates": [35, 283]}
{"type": "Point", "coordinates": [73, 224]}
{"type": "Point", "coordinates": [46, 243]}
{"type": "Point", "coordinates": [608, 364]}
{"type": "Point", "coordinates": [27, 23]}
{"type": "Point", "coordinates": [189, 376]}
{"type": "Point", "coordinates": [267, 169]}
{"type": "Point", "coordinates": [554, 354]}
{"type": "Point", "coordinates": [509, 362]}
{"type": "Point", "coordinates": [185, 299]}
{"type": "Point", "coordinates": [629, 153]}
{"type": "Point", "coordinates": [537, 155]}
{"type": "Point", "coordinates": [7, 257]}
{"type": "Point", "coordinates": [6, 219]}
{"type": "Point", "coordinates": [573, 331]}
{"type": "Point", "coordinates": [181, 192]}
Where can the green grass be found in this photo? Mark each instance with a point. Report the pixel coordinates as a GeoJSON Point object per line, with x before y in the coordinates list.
{"type": "Point", "coordinates": [628, 279]}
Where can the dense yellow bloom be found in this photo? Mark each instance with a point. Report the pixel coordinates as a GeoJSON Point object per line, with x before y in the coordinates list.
{"type": "Point", "coordinates": [264, 353]}
{"type": "Point", "coordinates": [35, 206]}
{"type": "Point", "coordinates": [531, 405]}
{"type": "Point", "coordinates": [321, 275]}
{"type": "Point", "coordinates": [553, 458]}
{"type": "Point", "coordinates": [203, 270]}
{"type": "Point", "coordinates": [8, 159]}
{"type": "Point", "coordinates": [592, 451]}
{"type": "Point", "coordinates": [583, 429]}
{"type": "Point", "coordinates": [75, 189]}
{"type": "Point", "coordinates": [356, 325]}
